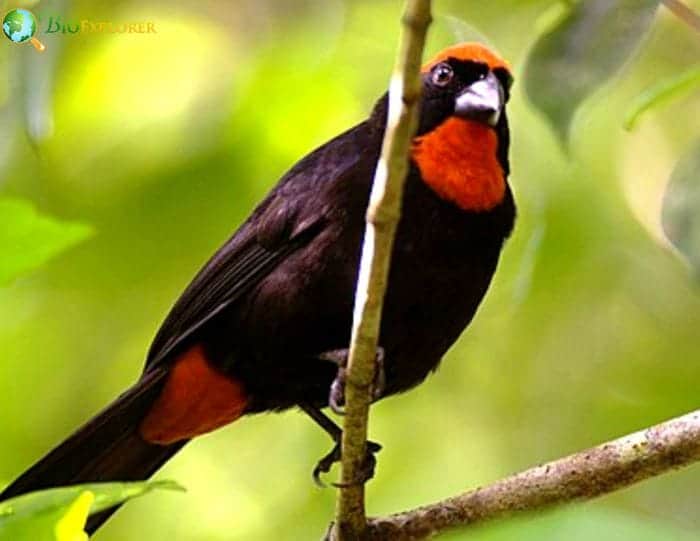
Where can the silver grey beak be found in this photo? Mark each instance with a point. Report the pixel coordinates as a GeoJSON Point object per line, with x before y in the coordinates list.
{"type": "Point", "coordinates": [482, 101]}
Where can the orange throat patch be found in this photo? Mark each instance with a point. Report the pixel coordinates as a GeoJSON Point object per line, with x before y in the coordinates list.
{"type": "Point", "coordinates": [459, 161]}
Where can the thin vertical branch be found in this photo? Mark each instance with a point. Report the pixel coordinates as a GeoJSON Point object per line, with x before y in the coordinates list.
{"type": "Point", "coordinates": [382, 218]}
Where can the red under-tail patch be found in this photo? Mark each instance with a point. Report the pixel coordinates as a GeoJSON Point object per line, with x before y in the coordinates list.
{"type": "Point", "coordinates": [458, 160]}
{"type": "Point", "coordinates": [196, 398]}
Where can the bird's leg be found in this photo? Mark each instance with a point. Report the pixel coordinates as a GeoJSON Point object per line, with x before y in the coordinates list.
{"type": "Point", "coordinates": [336, 396]}
{"type": "Point", "coordinates": [333, 430]}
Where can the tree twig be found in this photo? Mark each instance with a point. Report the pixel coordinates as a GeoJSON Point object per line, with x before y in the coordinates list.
{"type": "Point", "coordinates": [683, 12]}
{"type": "Point", "coordinates": [382, 217]}
{"type": "Point", "coordinates": [581, 476]}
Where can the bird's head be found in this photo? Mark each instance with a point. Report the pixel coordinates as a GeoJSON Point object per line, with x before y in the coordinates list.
{"type": "Point", "coordinates": [461, 147]}
{"type": "Point", "coordinates": [466, 81]}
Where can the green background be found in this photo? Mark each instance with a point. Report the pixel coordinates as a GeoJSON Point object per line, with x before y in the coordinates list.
{"type": "Point", "coordinates": [161, 144]}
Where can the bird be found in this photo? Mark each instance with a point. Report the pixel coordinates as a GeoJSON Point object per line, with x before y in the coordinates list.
{"type": "Point", "coordinates": [265, 324]}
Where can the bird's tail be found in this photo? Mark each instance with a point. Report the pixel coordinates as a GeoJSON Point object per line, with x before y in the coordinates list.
{"type": "Point", "coordinates": [107, 448]}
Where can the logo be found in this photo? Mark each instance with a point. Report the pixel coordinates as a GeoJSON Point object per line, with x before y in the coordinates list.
{"type": "Point", "coordinates": [57, 25]}
{"type": "Point", "coordinates": [19, 25]}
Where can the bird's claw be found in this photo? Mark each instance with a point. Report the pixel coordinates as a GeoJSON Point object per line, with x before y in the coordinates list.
{"type": "Point", "coordinates": [336, 396]}
{"type": "Point", "coordinates": [325, 464]}
{"type": "Point", "coordinates": [379, 383]}
{"type": "Point", "coordinates": [367, 472]}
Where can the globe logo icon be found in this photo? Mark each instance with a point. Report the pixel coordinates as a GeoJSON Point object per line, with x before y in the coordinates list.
{"type": "Point", "coordinates": [19, 25]}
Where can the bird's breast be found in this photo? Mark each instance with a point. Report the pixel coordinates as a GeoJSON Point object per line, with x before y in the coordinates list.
{"type": "Point", "coordinates": [458, 160]}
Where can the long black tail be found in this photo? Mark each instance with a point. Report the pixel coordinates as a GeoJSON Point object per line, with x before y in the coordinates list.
{"type": "Point", "coordinates": [106, 448]}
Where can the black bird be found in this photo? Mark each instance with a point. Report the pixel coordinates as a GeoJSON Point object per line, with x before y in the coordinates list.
{"type": "Point", "coordinates": [260, 327]}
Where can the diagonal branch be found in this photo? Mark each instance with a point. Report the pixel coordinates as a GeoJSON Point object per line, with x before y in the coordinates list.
{"type": "Point", "coordinates": [683, 12]}
{"type": "Point", "coordinates": [382, 218]}
{"type": "Point", "coordinates": [581, 476]}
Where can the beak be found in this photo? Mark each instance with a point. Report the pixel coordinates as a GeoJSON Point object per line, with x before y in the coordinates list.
{"type": "Point", "coordinates": [481, 101]}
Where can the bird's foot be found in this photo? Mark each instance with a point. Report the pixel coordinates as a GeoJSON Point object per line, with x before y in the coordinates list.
{"type": "Point", "coordinates": [326, 463]}
{"type": "Point", "coordinates": [336, 396]}
{"type": "Point", "coordinates": [366, 473]}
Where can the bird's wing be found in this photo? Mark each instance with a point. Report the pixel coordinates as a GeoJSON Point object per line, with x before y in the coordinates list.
{"type": "Point", "coordinates": [288, 219]}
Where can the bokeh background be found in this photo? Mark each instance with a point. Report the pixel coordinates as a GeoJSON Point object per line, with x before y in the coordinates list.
{"type": "Point", "coordinates": [161, 144]}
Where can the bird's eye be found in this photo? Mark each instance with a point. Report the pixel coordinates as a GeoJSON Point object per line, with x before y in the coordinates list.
{"type": "Point", "coordinates": [442, 75]}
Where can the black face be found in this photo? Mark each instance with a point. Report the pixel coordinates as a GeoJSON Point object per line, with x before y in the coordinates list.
{"type": "Point", "coordinates": [447, 81]}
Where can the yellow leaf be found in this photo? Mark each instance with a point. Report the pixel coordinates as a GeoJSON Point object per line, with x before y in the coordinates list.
{"type": "Point", "coordinates": [70, 527]}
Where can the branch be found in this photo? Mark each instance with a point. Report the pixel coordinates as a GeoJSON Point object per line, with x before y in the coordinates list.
{"type": "Point", "coordinates": [382, 218]}
{"type": "Point", "coordinates": [683, 12]}
{"type": "Point", "coordinates": [581, 476]}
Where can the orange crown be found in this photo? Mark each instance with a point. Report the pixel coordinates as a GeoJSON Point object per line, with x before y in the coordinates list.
{"type": "Point", "coordinates": [476, 52]}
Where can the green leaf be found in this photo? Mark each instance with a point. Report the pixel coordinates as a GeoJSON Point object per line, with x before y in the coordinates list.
{"type": "Point", "coordinates": [34, 516]}
{"type": "Point", "coordinates": [661, 93]}
{"type": "Point", "coordinates": [681, 209]}
{"type": "Point", "coordinates": [71, 526]}
{"type": "Point", "coordinates": [586, 46]}
{"type": "Point", "coordinates": [29, 239]}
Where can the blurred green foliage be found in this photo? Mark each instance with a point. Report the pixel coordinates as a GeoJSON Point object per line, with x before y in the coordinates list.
{"type": "Point", "coordinates": [163, 143]}
{"type": "Point", "coordinates": [681, 219]}
{"type": "Point", "coordinates": [30, 239]}
{"type": "Point", "coordinates": [588, 43]}
{"type": "Point", "coordinates": [59, 514]}
{"type": "Point", "coordinates": [662, 92]}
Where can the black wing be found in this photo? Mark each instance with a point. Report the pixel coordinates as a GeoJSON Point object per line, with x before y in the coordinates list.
{"type": "Point", "coordinates": [288, 219]}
